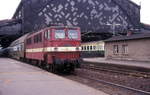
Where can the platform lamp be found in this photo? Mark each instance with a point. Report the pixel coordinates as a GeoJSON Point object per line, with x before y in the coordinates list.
{"type": "Point", "coordinates": [0, 46]}
{"type": "Point", "coordinates": [113, 26]}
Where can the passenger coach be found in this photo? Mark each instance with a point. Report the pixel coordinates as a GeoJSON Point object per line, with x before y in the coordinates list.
{"type": "Point", "coordinates": [17, 48]}
{"type": "Point", "coordinates": [92, 49]}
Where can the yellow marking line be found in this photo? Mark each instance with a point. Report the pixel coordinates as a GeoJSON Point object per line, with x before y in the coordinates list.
{"type": "Point", "coordinates": [3, 73]}
{"type": "Point", "coordinates": [7, 81]}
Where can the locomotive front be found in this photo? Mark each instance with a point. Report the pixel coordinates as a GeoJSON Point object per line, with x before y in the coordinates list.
{"type": "Point", "coordinates": [63, 47]}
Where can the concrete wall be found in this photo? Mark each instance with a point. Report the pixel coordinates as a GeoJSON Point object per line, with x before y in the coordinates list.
{"type": "Point", "coordinates": [137, 50]}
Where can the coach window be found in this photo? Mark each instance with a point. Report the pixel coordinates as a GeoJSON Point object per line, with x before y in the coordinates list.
{"type": "Point", "coordinates": [94, 47]}
{"type": "Point", "coordinates": [40, 37]}
{"type": "Point", "coordinates": [35, 40]}
{"type": "Point", "coordinates": [87, 47]}
{"type": "Point", "coordinates": [21, 47]}
{"type": "Point", "coordinates": [84, 47]}
{"type": "Point", "coordinates": [91, 47]}
{"type": "Point", "coordinates": [59, 34]}
{"type": "Point", "coordinates": [18, 48]}
{"type": "Point", "coordinates": [100, 47]}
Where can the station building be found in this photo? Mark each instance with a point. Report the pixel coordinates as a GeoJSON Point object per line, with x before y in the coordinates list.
{"type": "Point", "coordinates": [97, 19]}
{"type": "Point", "coordinates": [134, 47]}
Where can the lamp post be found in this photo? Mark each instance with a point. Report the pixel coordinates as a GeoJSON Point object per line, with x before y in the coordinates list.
{"type": "Point", "coordinates": [113, 26]}
{"type": "Point", "coordinates": [0, 46]}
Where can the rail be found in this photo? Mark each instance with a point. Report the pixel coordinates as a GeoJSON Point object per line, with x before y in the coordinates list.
{"type": "Point", "coordinates": [116, 70]}
{"type": "Point", "coordinates": [141, 92]}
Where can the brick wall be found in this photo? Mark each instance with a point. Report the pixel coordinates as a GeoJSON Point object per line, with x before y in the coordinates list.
{"type": "Point", "coordinates": [137, 50]}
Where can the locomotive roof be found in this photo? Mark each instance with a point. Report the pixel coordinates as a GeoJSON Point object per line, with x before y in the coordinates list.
{"type": "Point", "coordinates": [63, 27]}
{"type": "Point", "coordinates": [34, 33]}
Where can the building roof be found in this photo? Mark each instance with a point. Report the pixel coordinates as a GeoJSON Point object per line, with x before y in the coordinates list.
{"type": "Point", "coordinates": [92, 42]}
{"type": "Point", "coordinates": [145, 26]}
{"type": "Point", "coordinates": [131, 37]}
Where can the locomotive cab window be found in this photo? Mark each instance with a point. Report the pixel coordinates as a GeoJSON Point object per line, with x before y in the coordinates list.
{"type": "Point", "coordinates": [38, 38]}
{"type": "Point", "coordinates": [29, 41]}
{"type": "Point", "coordinates": [73, 34]}
{"type": "Point", "coordinates": [59, 34]}
{"type": "Point", "coordinates": [47, 34]}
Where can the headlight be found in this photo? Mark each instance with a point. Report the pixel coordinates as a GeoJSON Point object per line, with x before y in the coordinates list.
{"type": "Point", "coordinates": [55, 49]}
{"type": "Point", "coordinates": [77, 48]}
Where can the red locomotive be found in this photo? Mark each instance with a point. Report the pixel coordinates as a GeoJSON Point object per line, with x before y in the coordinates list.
{"type": "Point", "coordinates": [55, 48]}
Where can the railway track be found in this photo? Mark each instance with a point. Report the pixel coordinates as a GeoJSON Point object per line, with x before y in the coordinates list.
{"type": "Point", "coordinates": [116, 70]}
{"type": "Point", "coordinates": [140, 92]}
{"type": "Point", "coordinates": [94, 77]}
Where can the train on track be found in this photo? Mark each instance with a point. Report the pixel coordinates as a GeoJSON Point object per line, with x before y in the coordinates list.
{"type": "Point", "coordinates": [92, 49]}
{"type": "Point", "coordinates": [4, 52]}
{"type": "Point", "coordinates": [56, 48]}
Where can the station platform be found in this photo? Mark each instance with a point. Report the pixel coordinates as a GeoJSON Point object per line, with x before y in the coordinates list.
{"type": "Point", "coordinates": [118, 62]}
{"type": "Point", "coordinates": [17, 78]}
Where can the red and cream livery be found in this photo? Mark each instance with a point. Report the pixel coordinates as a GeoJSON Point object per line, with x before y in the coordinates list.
{"type": "Point", "coordinates": [55, 47]}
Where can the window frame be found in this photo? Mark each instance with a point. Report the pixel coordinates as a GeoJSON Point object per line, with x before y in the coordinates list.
{"type": "Point", "coordinates": [64, 34]}
{"type": "Point", "coordinates": [37, 38]}
{"type": "Point", "coordinates": [88, 48]}
{"type": "Point", "coordinates": [124, 49]}
{"type": "Point", "coordinates": [91, 48]}
{"type": "Point", "coordinates": [94, 47]}
{"type": "Point", "coordinates": [85, 48]}
{"type": "Point", "coordinates": [47, 34]}
{"type": "Point", "coordinates": [72, 37]}
{"type": "Point", "coordinates": [115, 49]}
{"type": "Point", "coordinates": [29, 41]}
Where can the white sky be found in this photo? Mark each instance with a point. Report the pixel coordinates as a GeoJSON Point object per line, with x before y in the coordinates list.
{"type": "Point", "coordinates": [8, 7]}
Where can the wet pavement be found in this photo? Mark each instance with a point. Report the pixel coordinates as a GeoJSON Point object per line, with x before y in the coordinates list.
{"type": "Point", "coordinates": [17, 78]}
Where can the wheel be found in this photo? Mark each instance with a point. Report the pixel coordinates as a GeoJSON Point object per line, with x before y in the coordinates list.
{"type": "Point", "coordinates": [36, 62]}
{"type": "Point", "coordinates": [53, 68]}
{"type": "Point", "coordinates": [42, 65]}
{"type": "Point", "coordinates": [50, 68]}
{"type": "Point", "coordinates": [47, 66]}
